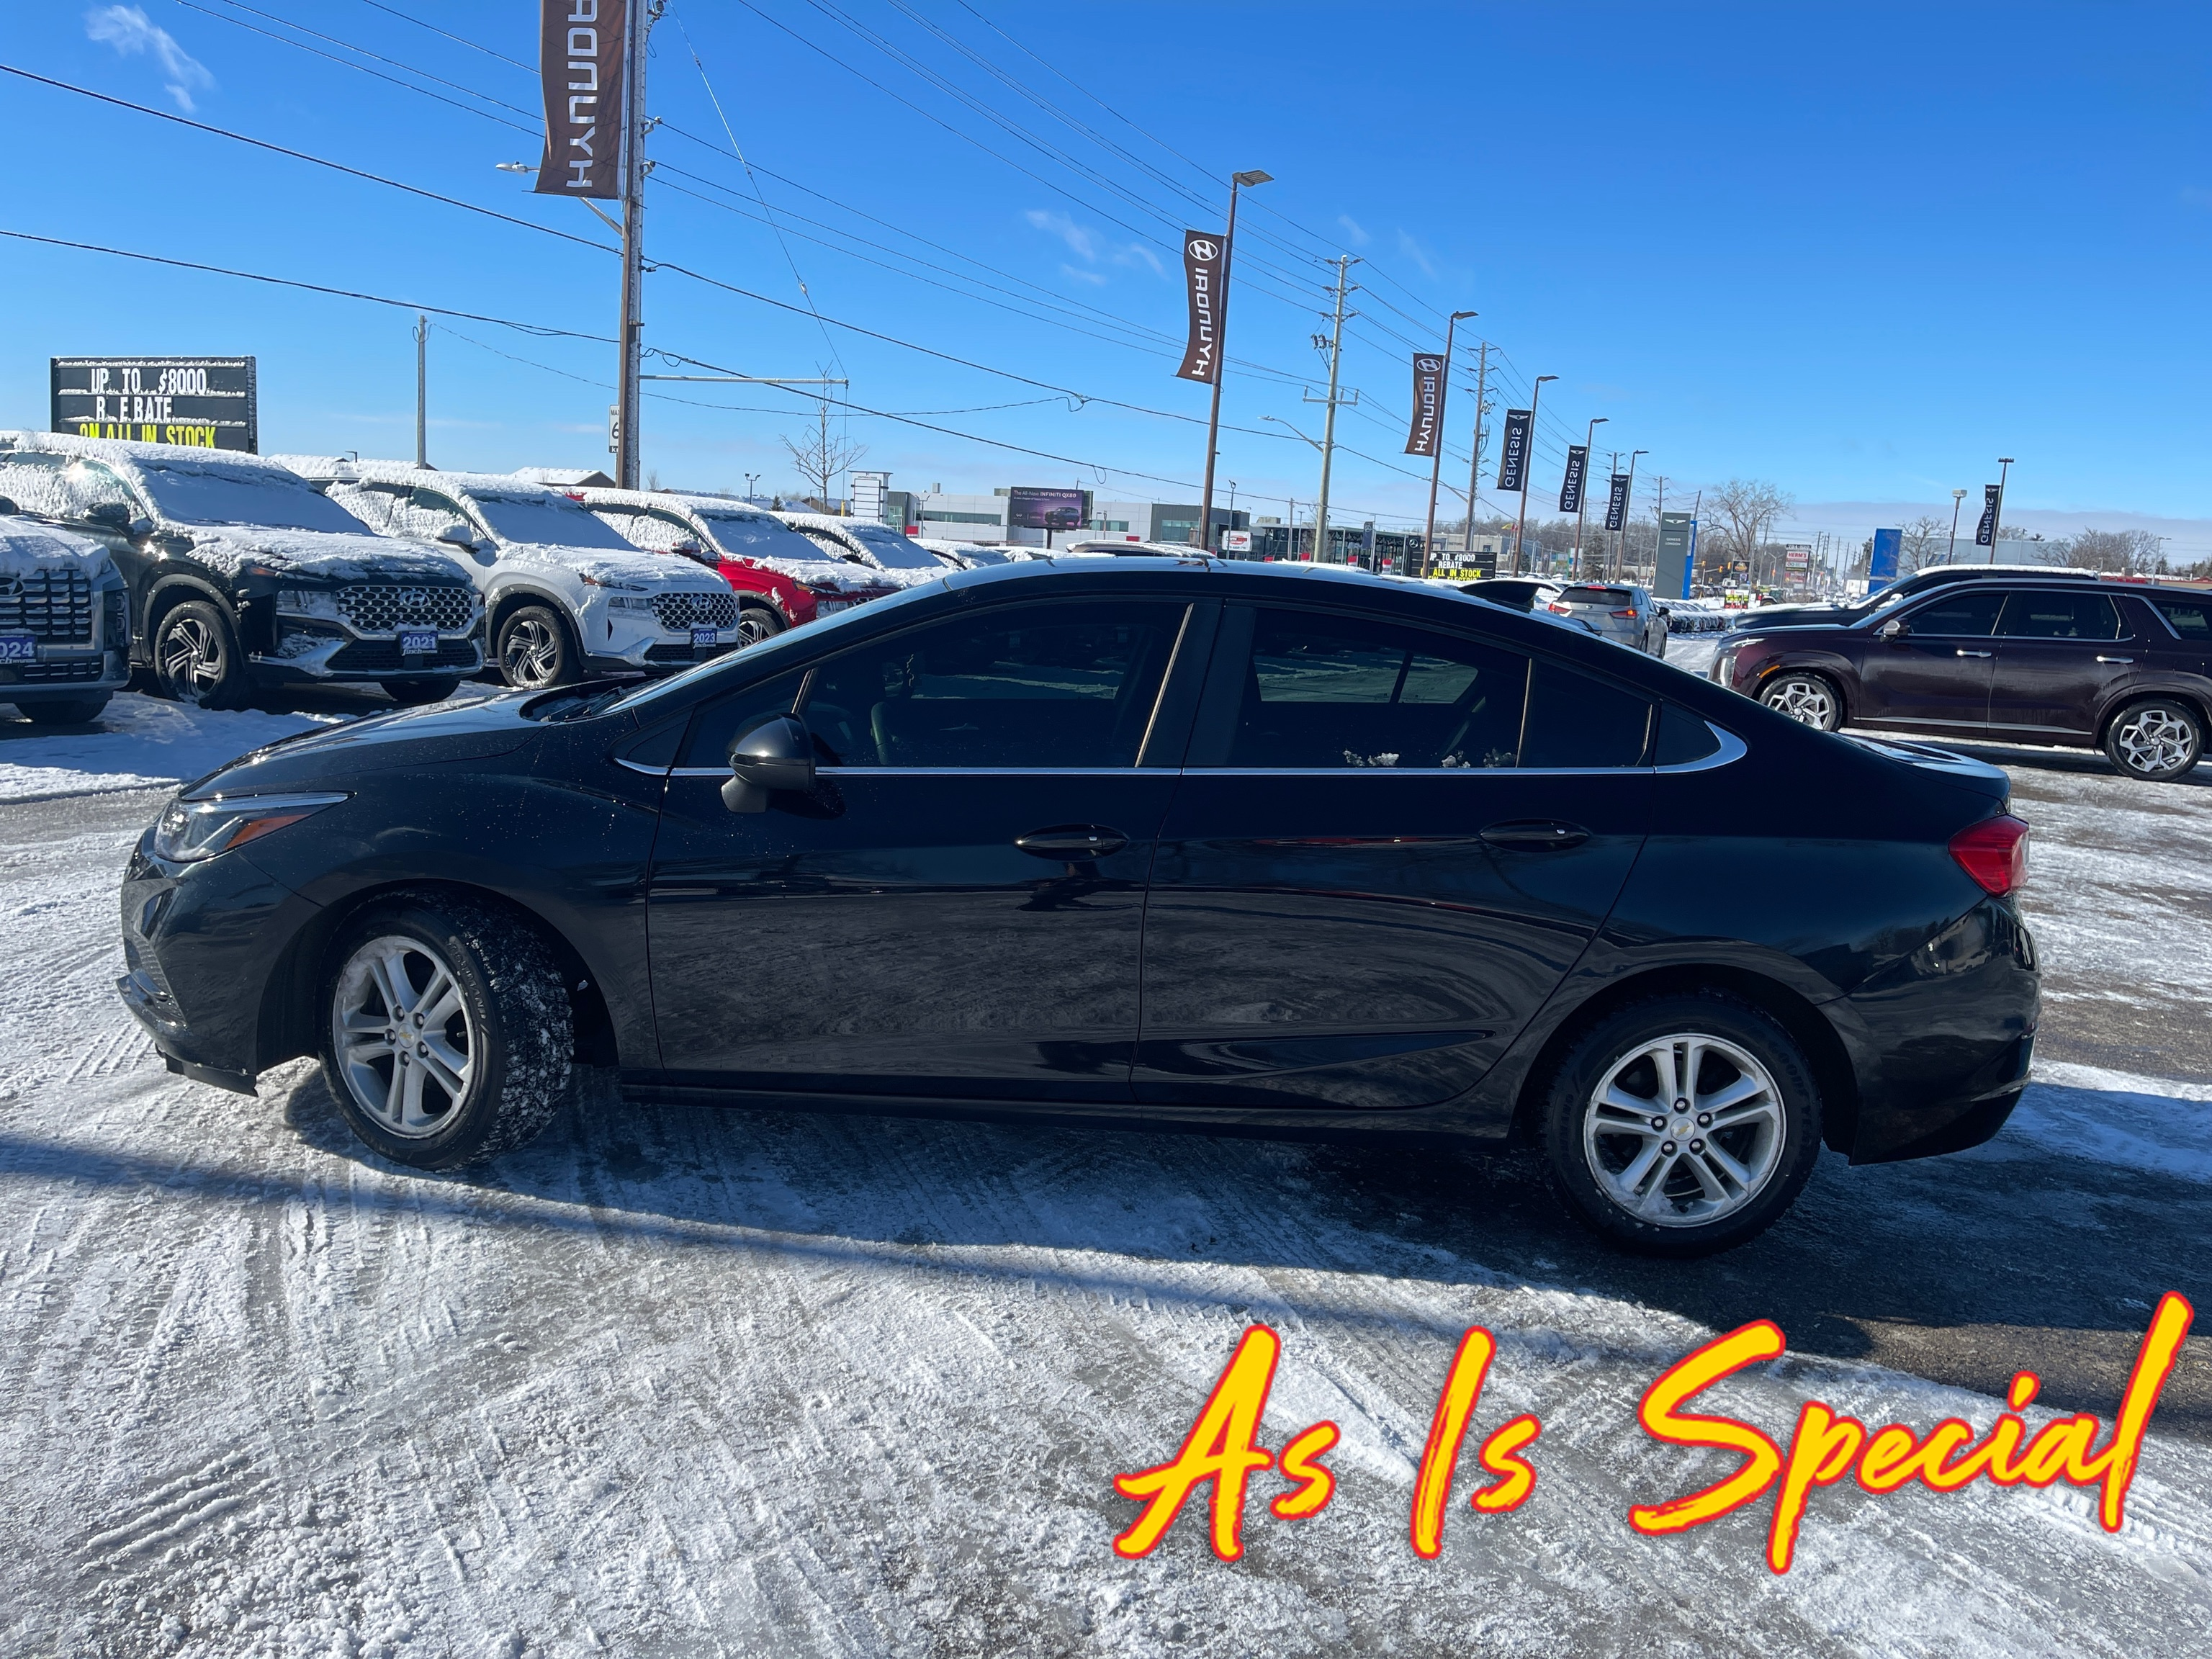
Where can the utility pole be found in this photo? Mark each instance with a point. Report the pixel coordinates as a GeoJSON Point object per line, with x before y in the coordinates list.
{"type": "Point", "coordinates": [1437, 461]}
{"type": "Point", "coordinates": [421, 391]}
{"type": "Point", "coordinates": [1528, 466]}
{"type": "Point", "coordinates": [631, 333]}
{"type": "Point", "coordinates": [1475, 461]}
{"type": "Point", "coordinates": [1996, 519]}
{"type": "Point", "coordinates": [1628, 512]}
{"type": "Point", "coordinates": [1582, 495]}
{"type": "Point", "coordinates": [1204, 537]}
{"type": "Point", "coordinates": [1344, 264]}
{"type": "Point", "coordinates": [1951, 553]}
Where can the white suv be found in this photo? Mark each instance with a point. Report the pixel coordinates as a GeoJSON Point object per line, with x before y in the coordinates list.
{"type": "Point", "coordinates": [906, 562]}
{"type": "Point", "coordinates": [568, 598]}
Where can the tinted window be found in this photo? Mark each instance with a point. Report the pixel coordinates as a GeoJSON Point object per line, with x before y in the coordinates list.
{"type": "Point", "coordinates": [187, 493]}
{"type": "Point", "coordinates": [721, 722]}
{"type": "Point", "coordinates": [1340, 691]}
{"type": "Point", "coordinates": [546, 518]}
{"type": "Point", "coordinates": [2190, 619]}
{"type": "Point", "coordinates": [1682, 737]}
{"type": "Point", "coordinates": [1614, 598]}
{"type": "Point", "coordinates": [2059, 617]}
{"type": "Point", "coordinates": [640, 529]}
{"type": "Point", "coordinates": [1961, 614]}
{"type": "Point", "coordinates": [1579, 721]}
{"type": "Point", "coordinates": [1036, 685]}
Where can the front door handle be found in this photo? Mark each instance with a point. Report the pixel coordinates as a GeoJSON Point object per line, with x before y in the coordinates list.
{"type": "Point", "coordinates": [2117, 660]}
{"type": "Point", "coordinates": [1535, 834]}
{"type": "Point", "coordinates": [1970, 654]}
{"type": "Point", "coordinates": [1073, 841]}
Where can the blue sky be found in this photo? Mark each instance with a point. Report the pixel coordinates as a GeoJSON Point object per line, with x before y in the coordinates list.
{"type": "Point", "coordinates": [1857, 250]}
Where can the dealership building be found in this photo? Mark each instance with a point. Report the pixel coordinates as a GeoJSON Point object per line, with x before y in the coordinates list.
{"type": "Point", "coordinates": [1023, 515]}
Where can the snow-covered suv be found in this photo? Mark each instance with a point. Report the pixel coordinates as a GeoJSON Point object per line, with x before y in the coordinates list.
{"type": "Point", "coordinates": [568, 598]}
{"type": "Point", "coordinates": [64, 621]}
{"type": "Point", "coordinates": [888, 549]}
{"type": "Point", "coordinates": [782, 578]}
{"type": "Point", "coordinates": [241, 574]}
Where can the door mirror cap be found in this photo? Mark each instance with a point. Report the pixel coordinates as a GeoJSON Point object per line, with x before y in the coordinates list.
{"type": "Point", "coordinates": [689, 548]}
{"type": "Point", "coordinates": [142, 527]}
{"type": "Point", "coordinates": [777, 755]}
{"type": "Point", "coordinates": [1893, 629]}
{"type": "Point", "coordinates": [112, 515]}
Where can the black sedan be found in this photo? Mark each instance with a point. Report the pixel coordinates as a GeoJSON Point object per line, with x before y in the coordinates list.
{"type": "Point", "coordinates": [1263, 850]}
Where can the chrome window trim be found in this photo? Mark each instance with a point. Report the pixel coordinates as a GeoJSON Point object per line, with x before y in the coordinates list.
{"type": "Point", "coordinates": [1732, 749]}
{"type": "Point", "coordinates": [931, 771]}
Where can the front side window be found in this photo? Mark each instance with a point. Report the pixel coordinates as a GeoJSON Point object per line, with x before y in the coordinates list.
{"type": "Point", "coordinates": [1028, 687]}
{"type": "Point", "coordinates": [640, 529]}
{"type": "Point", "coordinates": [545, 518]}
{"type": "Point", "coordinates": [892, 550]}
{"type": "Point", "coordinates": [2030, 615]}
{"type": "Point", "coordinates": [90, 485]}
{"type": "Point", "coordinates": [745, 535]}
{"type": "Point", "coordinates": [720, 723]}
{"type": "Point", "coordinates": [1958, 615]}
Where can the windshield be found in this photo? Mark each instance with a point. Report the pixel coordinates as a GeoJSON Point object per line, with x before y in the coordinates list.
{"type": "Point", "coordinates": [893, 551]}
{"type": "Point", "coordinates": [267, 498]}
{"type": "Point", "coordinates": [748, 535]}
{"type": "Point", "coordinates": [554, 520]}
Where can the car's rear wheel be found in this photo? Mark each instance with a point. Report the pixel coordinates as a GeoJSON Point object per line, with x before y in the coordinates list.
{"type": "Point", "coordinates": [757, 623]}
{"type": "Point", "coordinates": [64, 711]}
{"type": "Point", "coordinates": [1809, 699]}
{"type": "Point", "coordinates": [1681, 1126]}
{"type": "Point", "coordinates": [2156, 740]}
{"type": "Point", "coordinates": [446, 1032]}
{"type": "Point", "coordinates": [536, 649]}
{"type": "Point", "coordinates": [195, 656]}
{"type": "Point", "coordinates": [409, 693]}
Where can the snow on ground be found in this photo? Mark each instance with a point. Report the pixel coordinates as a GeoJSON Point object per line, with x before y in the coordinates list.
{"type": "Point", "coordinates": [138, 743]}
{"type": "Point", "coordinates": [677, 1382]}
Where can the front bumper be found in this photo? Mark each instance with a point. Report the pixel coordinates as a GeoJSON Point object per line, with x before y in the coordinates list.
{"type": "Point", "coordinates": [320, 651]}
{"type": "Point", "coordinates": [64, 671]}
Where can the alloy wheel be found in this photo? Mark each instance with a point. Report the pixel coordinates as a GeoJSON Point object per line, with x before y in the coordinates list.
{"type": "Point", "coordinates": [1683, 1130]}
{"type": "Point", "coordinates": [530, 654]}
{"type": "Point", "coordinates": [406, 1047]}
{"type": "Point", "coordinates": [755, 624]}
{"type": "Point", "coordinates": [2153, 740]}
{"type": "Point", "coordinates": [1805, 700]}
{"type": "Point", "coordinates": [190, 658]}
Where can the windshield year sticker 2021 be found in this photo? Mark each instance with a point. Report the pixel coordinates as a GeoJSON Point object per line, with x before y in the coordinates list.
{"type": "Point", "coordinates": [1222, 1450]}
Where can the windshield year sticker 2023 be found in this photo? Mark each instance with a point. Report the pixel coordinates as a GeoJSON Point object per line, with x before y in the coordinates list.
{"type": "Point", "coordinates": [1222, 1450]}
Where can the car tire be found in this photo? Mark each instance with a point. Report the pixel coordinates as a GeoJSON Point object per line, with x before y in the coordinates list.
{"type": "Point", "coordinates": [2155, 740]}
{"type": "Point", "coordinates": [537, 650]}
{"type": "Point", "coordinates": [65, 711]}
{"type": "Point", "coordinates": [408, 694]}
{"type": "Point", "coordinates": [195, 656]}
{"type": "Point", "coordinates": [485, 1039]}
{"type": "Point", "coordinates": [1649, 1181]}
{"type": "Point", "coordinates": [1809, 699]}
{"type": "Point", "coordinates": [757, 623]}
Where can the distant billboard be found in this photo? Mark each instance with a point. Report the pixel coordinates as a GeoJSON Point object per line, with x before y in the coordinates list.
{"type": "Point", "coordinates": [1047, 509]}
{"type": "Point", "coordinates": [205, 402]}
{"type": "Point", "coordinates": [1881, 563]}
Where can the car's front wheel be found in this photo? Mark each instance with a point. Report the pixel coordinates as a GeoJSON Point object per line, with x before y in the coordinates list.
{"type": "Point", "coordinates": [757, 623]}
{"type": "Point", "coordinates": [2155, 740]}
{"type": "Point", "coordinates": [446, 1032]}
{"type": "Point", "coordinates": [1681, 1126]}
{"type": "Point", "coordinates": [1808, 699]}
{"type": "Point", "coordinates": [195, 656]}
{"type": "Point", "coordinates": [536, 649]}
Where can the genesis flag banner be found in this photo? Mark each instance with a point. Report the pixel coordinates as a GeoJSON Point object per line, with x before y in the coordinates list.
{"type": "Point", "coordinates": [1425, 436]}
{"type": "Point", "coordinates": [1513, 459]}
{"type": "Point", "coordinates": [1616, 504]}
{"type": "Point", "coordinates": [1986, 533]}
{"type": "Point", "coordinates": [1203, 255]}
{"type": "Point", "coordinates": [1571, 487]}
{"type": "Point", "coordinates": [580, 60]}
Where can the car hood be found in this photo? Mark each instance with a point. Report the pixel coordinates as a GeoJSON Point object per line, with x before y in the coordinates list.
{"type": "Point", "coordinates": [326, 755]}
{"type": "Point", "coordinates": [26, 546]}
{"type": "Point", "coordinates": [332, 556]}
{"type": "Point", "coordinates": [662, 573]}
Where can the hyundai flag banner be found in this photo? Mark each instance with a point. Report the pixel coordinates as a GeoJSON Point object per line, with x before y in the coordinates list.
{"type": "Point", "coordinates": [1426, 435]}
{"type": "Point", "coordinates": [1986, 533]}
{"type": "Point", "coordinates": [579, 61]}
{"type": "Point", "coordinates": [1513, 459]}
{"type": "Point", "coordinates": [1571, 487]}
{"type": "Point", "coordinates": [1203, 254]}
{"type": "Point", "coordinates": [1616, 504]}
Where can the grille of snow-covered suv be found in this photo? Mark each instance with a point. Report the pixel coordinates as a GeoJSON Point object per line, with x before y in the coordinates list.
{"type": "Point", "coordinates": [53, 605]}
{"type": "Point", "coordinates": [682, 610]}
{"type": "Point", "coordinates": [378, 607]}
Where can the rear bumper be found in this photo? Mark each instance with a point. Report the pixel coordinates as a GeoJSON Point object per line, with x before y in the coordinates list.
{"type": "Point", "coordinates": [73, 674]}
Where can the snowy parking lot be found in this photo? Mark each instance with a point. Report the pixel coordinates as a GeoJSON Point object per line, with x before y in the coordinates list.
{"type": "Point", "coordinates": [678, 1382]}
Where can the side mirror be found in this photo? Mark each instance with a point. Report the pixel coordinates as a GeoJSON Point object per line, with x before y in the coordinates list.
{"type": "Point", "coordinates": [1893, 629]}
{"type": "Point", "coordinates": [458, 535]}
{"type": "Point", "coordinates": [8, 507]}
{"type": "Point", "coordinates": [775, 755]}
{"type": "Point", "coordinates": [113, 515]}
{"type": "Point", "coordinates": [689, 548]}
{"type": "Point", "coordinates": [142, 526]}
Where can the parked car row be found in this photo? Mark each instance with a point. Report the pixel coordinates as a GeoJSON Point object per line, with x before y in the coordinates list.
{"type": "Point", "coordinates": [233, 574]}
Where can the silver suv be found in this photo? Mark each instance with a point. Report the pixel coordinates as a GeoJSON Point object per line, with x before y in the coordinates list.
{"type": "Point", "coordinates": [1616, 611]}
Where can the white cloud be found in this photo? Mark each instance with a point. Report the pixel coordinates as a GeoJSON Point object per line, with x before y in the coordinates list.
{"type": "Point", "coordinates": [131, 33]}
{"type": "Point", "coordinates": [1083, 276]}
{"type": "Point", "coordinates": [1419, 255]}
{"type": "Point", "coordinates": [1136, 253]}
{"type": "Point", "coordinates": [1079, 240]}
{"type": "Point", "coordinates": [1354, 230]}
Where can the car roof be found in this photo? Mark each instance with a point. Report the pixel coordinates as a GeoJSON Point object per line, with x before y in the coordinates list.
{"type": "Point", "coordinates": [116, 449]}
{"type": "Point", "coordinates": [340, 469]}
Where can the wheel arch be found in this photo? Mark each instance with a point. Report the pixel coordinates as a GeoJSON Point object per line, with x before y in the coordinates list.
{"type": "Point", "coordinates": [166, 591]}
{"type": "Point", "coordinates": [2123, 700]}
{"type": "Point", "coordinates": [1837, 675]}
{"type": "Point", "coordinates": [512, 599]}
{"type": "Point", "coordinates": [1834, 1074]}
{"type": "Point", "coordinates": [287, 1025]}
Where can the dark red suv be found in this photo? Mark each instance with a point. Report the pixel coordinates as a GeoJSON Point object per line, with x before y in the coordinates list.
{"type": "Point", "coordinates": [2126, 667]}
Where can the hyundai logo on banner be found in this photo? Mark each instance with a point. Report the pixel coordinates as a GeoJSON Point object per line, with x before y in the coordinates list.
{"type": "Point", "coordinates": [1423, 437]}
{"type": "Point", "coordinates": [1202, 256]}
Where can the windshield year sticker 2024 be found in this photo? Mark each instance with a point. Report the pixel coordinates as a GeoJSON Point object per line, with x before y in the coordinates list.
{"type": "Point", "coordinates": [1222, 1450]}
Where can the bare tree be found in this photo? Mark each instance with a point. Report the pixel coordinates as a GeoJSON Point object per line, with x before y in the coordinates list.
{"type": "Point", "coordinates": [2130, 552]}
{"type": "Point", "coordinates": [1745, 510]}
{"type": "Point", "coordinates": [821, 457]}
{"type": "Point", "coordinates": [1924, 539]}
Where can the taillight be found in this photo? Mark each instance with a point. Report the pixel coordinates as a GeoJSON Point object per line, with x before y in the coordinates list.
{"type": "Point", "coordinates": [1994, 853]}
{"type": "Point", "coordinates": [1564, 610]}
{"type": "Point", "coordinates": [1625, 616]}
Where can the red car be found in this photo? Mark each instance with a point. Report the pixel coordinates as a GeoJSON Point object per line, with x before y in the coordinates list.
{"type": "Point", "coordinates": [783, 580]}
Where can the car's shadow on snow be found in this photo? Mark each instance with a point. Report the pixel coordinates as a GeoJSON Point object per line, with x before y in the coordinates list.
{"type": "Point", "coordinates": [1963, 1269]}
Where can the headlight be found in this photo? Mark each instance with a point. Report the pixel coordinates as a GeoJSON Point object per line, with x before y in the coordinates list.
{"type": "Point", "coordinates": [193, 830]}
{"type": "Point", "coordinates": [618, 602]}
{"type": "Point", "coordinates": [306, 602]}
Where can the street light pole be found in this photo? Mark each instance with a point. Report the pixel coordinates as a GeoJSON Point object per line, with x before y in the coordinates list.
{"type": "Point", "coordinates": [1437, 461]}
{"type": "Point", "coordinates": [1527, 465]}
{"type": "Point", "coordinates": [1204, 534]}
{"type": "Point", "coordinates": [1996, 520]}
{"type": "Point", "coordinates": [632, 331]}
{"type": "Point", "coordinates": [1951, 553]}
{"type": "Point", "coordinates": [1582, 495]}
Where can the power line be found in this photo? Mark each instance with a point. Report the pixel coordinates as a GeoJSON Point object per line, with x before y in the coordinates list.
{"type": "Point", "coordinates": [192, 5]}
{"type": "Point", "coordinates": [527, 69]}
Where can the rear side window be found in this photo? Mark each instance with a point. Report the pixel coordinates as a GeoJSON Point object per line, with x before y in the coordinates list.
{"type": "Point", "coordinates": [2030, 615]}
{"type": "Point", "coordinates": [1574, 721]}
{"type": "Point", "coordinates": [2190, 619]}
{"type": "Point", "coordinates": [1959, 614]}
{"type": "Point", "coordinates": [1030, 686]}
{"type": "Point", "coordinates": [1326, 691]}
{"type": "Point", "coordinates": [1682, 737]}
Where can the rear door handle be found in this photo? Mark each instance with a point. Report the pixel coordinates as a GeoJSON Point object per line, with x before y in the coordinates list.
{"type": "Point", "coordinates": [2119, 659]}
{"type": "Point", "coordinates": [1073, 841]}
{"type": "Point", "coordinates": [1970, 654]}
{"type": "Point", "coordinates": [1535, 834]}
